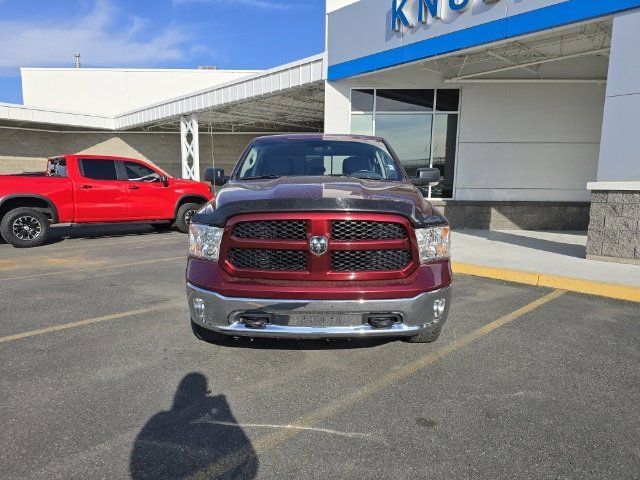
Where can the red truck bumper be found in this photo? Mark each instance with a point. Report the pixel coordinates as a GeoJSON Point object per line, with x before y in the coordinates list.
{"type": "Point", "coordinates": [211, 277]}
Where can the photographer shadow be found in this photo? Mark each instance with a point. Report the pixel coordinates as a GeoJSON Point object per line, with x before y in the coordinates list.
{"type": "Point", "coordinates": [199, 435]}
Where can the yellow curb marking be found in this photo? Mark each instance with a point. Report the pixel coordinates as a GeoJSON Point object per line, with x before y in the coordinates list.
{"type": "Point", "coordinates": [90, 321]}
{"type": "Point", "coordinates": [601, 289]}
{"type": "Point", "coordinates": [265, 443]}
{"type": "Point", "coordinates": [96, 269]}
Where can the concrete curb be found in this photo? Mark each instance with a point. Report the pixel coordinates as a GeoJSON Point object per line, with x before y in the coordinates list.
{"type": "Point", "coordinates": [601, 289]}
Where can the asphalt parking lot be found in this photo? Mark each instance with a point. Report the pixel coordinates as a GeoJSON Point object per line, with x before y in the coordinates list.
{"type": "Point", "coordinates": [102, 378]}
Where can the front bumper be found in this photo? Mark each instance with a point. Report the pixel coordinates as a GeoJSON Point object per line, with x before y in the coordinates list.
{"type": "Point", "coordinates": [318, 318]}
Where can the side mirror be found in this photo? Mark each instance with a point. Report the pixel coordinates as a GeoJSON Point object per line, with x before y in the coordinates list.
{"type": "Point", "coordinates": [215, 176]}
{"type": "Point", "coordinates": [164, 180]}
{"type": "Point", "coordinates": [427, 177]}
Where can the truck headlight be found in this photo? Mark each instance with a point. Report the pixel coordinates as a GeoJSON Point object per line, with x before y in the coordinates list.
{"type": "Point", "coordinates": [204, 241]}
{"type": "Point", "coordinates": [433, 243]}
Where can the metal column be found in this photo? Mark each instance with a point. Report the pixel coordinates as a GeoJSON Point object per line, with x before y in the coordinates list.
{"type": "Point", "coordinates": [190, 144]}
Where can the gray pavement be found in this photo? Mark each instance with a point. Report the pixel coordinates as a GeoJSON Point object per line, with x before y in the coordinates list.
{"type": "Point", "coordinates": [553, 253]}
{"type": "Point", "coordinates": [545, 391]}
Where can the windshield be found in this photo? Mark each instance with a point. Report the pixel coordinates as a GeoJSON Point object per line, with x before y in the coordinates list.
{"type": "Point", "coordinates": [298, 158]}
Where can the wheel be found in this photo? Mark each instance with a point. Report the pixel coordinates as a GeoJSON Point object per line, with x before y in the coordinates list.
{"type": "Point", "coordinates": [24, 227]}
{"type": "Point", "coordinates": [183, 218]}
{"type": "Point", "coordinates": [428, 336]}
{"type": "Point", "coordinates": [205, 335]}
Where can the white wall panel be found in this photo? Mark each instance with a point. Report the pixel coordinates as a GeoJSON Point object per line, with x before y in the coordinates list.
{"type": "Point", "coordinates": [532, 113]}
{"type": "Point", "coordinates": [525, 171]}
{"type": "Point", "coordinates": [112, 91]}
{"type": "Point", "coordinates": [619, 159]}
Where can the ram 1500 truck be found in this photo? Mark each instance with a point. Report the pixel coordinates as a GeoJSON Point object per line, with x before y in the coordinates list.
{"type": "Point", "coordinates": [320, 236]}
{"type": "Point", "coordinates": [94, 189]}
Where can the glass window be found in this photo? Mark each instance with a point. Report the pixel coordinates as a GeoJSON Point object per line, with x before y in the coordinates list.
{"type": "Point", "coordinates": [99, 169]}
{"type": "Point", "coordinates": [362, 100]}
{"type": "Point", "coordinates": [445, 130]}
{"type": "Point", "coordinates": [362, 124]}
{"type": "Point", "coordinates": [409, 136]}
{"type": "Point", "coordinates": [57, 167]}
{"type": "Point", "coordinates": [362, 159]}
{"type": "Point", "coordinates": [136, 172]}
{"type": "Point", "coordinates": [406, 118]}
{"type": "Point", "coordinates": [448, 100]}
{"type": "Point", "coordinates": [404, 100]}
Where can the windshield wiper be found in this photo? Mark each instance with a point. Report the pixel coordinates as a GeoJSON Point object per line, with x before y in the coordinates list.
{"type": "Point", "coordinates": [261, 177]}
{"type": "Point", "coordinates": [354, 176]}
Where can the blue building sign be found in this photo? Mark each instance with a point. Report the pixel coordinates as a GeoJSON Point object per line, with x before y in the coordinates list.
{"type": "Point", "coordinates": [425, 8]}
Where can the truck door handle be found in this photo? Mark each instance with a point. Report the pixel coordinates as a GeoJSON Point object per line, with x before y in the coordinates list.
{"type": "Point", "coordinates": [86, 187]}
{"type": "Point", "coordinates": [134, 187]}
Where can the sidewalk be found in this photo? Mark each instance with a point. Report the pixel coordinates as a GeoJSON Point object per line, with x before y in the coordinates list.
{"type": "Point", "coordinates": [552, 259]}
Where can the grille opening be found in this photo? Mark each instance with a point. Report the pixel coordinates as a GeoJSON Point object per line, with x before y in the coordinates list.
{"type": "Point", "coordinates": [367, 230]}
{"type": "Point", "coordinates": [272, 230]}
{"type": "Point", "coordinates": [369, 260]}
{"type": "Point", "coordinates": [262, 259]}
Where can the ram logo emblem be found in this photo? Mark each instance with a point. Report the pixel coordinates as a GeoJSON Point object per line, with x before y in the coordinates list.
{"type": "Point", "coordinates": [319, 245]}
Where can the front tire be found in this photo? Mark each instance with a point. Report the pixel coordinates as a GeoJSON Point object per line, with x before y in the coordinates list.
{"type": "Point", "coordinates": [24, 227]}
{"type": "Point", "coordinates": [205, 335]}
{"type": "Point", "coordinates": [428, 336]}
{"type": "Point", "coordinates": [183, 217]}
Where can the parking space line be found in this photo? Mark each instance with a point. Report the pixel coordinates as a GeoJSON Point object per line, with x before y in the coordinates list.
{"type": "Point", "coordinates": [90, 321]}
{"type": "Point", "coordinates": [74, 245]}
{"type": "Point", "coordinates": [96, 268]}
{"type": "Point", "coordinates": [265, 443]}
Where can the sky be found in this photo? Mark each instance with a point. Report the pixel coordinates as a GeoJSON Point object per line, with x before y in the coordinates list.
{"type": "Point", "coordinates": [230, 34]}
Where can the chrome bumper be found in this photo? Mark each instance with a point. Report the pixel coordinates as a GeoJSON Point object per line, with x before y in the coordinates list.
{"type": "Point", "coordinates": [222, 315]}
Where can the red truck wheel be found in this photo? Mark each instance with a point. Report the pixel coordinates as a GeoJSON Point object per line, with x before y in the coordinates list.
{"type": "Point", "coordinates": [183, 218]}
{"type": "Point", "coordinates": [24, 228]}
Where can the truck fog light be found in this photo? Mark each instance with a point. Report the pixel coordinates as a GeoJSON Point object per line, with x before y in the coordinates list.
{"type": "Point", "coordinates": [199, 308]}
{"type": "Point", "coordinates": [438, 307]}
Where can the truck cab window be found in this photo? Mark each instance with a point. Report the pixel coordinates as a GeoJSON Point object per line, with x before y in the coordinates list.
{"type": "Point", "coordinates": [136, 172]}
{"type": "Point", "coordinates": [57, 167]}
{"type": "Point", "coordinates": [99, 169]}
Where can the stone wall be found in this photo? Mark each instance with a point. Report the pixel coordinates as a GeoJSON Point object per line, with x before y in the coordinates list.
{"type": "Point", "coordinates": [26, 150]}
{"type": "Point", "coordinates": [515, 215]}
{"type": "Point", "coordinates": [614, 229]}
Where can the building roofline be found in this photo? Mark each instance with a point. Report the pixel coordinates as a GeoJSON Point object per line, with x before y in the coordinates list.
{"type": "Point", "coordinates": [155, 70]}
{"type": "Point", "coordinates": [175, 104]}
{"type": "Point", "coordinates": [309, 70]}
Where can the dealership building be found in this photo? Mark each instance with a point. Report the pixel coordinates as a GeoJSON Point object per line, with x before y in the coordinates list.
{"type": "Point", "coordinates": [529, 108]}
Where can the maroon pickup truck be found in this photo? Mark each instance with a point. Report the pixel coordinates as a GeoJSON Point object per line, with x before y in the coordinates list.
{"type": "Point", "coordinates": [320, 236]}
{"type": "Point", "coordinates": [94, 189]}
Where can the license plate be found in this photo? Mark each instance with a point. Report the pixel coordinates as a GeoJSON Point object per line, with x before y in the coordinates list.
{"type": "Point", "coordinates": [322, 320]}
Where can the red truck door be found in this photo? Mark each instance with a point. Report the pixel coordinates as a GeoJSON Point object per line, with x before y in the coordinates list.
{"type": "Point", "coordinates": [100, 195]}
{"type": "Point", "coordinates": [149, 197]}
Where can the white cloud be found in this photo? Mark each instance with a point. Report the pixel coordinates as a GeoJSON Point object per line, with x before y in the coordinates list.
{"type": "Point", "coordinates": [267, 4]}
{"type": "Point", "coordinates": [105, 36]}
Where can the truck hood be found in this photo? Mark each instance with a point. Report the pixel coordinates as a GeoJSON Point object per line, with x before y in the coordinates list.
{"type": "Point", "coordinates": [319, 194]}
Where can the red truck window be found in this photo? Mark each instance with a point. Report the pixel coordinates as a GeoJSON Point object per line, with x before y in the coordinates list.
{"type": "Point", "coordinates": [136, 172]}
{"type": "Point", "coordinates": [99, 169]}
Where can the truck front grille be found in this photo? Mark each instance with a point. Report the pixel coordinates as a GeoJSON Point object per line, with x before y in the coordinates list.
{"type": "Point", "coordinates": [366, 230]}
{"type": "Point", "coordinates": [369, 260]}
{"type": "Point", "coordinates": [261, 259]}
{"type": "Point", "coordinates": [272, 230]}
{"type": "Point", "coordinates": [360, 246]}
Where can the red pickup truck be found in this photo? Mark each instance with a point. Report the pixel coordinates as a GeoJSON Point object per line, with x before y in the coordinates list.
{"type": "Point", "coordinates": [94, 189]}
{"type": "Point", "coordinates": [320, 236]}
